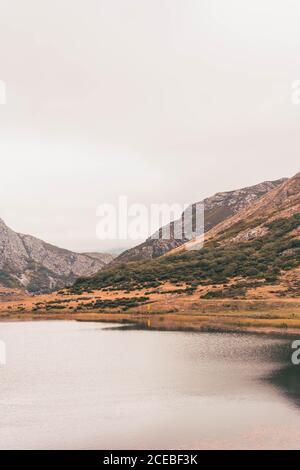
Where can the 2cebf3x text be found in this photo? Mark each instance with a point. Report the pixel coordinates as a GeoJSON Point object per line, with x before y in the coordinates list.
{"type": "Point", "coordinates": [155, 459]}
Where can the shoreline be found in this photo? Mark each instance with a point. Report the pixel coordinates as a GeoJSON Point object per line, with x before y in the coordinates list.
{"type": "Point", "coordinates": [164, 310]}
{"type": "Point", "coordinates": [163, 322]}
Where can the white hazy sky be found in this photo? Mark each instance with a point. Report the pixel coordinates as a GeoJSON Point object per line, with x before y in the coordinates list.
{"type": "Point", "coordinates": [159, 100]}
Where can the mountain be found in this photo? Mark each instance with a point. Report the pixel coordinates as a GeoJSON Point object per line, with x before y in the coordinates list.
{"type": "Point", "coordinates": [103, 258]}
{"type": "Point", "coordinates": [217, 208]}
{"type": "Point", "coordinates": [36, 266]}
{"type": "Point", "coordinates": [283, 202]}
{"type": "Point", "coordinates": [257, 246]}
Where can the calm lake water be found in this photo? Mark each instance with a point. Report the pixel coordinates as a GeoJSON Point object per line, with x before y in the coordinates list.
{"type": "Point", "coordinates": [70, 385]}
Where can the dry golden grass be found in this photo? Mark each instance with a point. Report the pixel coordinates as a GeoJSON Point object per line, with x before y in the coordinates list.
{"type": "Point", "coordinates": [263, 310]}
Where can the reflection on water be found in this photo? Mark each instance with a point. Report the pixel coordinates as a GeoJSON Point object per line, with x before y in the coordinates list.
{"type": "Point", "coordinates": [286, 377]}
{"type": "Point", "coordinates": [90, 385]}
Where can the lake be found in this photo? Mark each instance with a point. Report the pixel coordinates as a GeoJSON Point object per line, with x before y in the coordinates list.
{"type": "Point", "coordinates": [71, 385]}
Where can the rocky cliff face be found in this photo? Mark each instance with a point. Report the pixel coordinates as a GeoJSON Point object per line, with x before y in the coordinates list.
{"type": "Point", "coordinates": [28, 262]}
{"type": "Point", "coordinates": [217, 208]}
{"type": "Point", "coordinates": [281, 203]}
{"type": "Point", "coordinates": [253, 220]}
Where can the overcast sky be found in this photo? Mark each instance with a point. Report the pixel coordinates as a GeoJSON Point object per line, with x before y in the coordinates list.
{"type": "Point", "coordinates": [159, 100]}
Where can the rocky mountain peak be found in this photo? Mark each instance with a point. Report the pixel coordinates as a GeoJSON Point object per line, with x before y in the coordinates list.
{"type": "Point", "coordinates": [217, 208]}
{"type": "Point", "coordinates": [37, 266]}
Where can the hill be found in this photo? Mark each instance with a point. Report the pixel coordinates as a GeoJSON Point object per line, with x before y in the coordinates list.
{"type": "Point", "coordinates": [217, 208]}
{"type": "Point", "coordinates": [32, 264]}
{"type": "Point", "coordinates": [260, 245]}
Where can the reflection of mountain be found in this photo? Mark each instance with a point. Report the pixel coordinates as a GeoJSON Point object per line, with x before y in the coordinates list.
{"type": "Point", "coordinates": [286, 379]}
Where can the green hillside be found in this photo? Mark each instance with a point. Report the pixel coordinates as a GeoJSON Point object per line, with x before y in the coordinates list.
{"type": "Point", "coordinates": [262, 258]}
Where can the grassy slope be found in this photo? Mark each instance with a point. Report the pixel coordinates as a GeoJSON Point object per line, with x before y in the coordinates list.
{"type": "Point", "coordinates": [262, 259]}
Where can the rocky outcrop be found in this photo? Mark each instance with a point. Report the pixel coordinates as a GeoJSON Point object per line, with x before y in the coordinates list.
{"type": "Point", "coordinates": [217, 208]}
{"type": "Point", "coordinates": [37, 266]}
{"type": "Point", "coordinates": [252, 221]}
{"type": "Point", "coordinates": [282, 202]}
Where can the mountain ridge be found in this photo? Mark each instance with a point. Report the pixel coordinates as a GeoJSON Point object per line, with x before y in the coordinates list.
{"type": "Point", "coordinates": [257, 247]}
{"type": "Point", "coordinates": [37, 266]}
{"type": "Point", "coordinates": [282, 201]}
{"type": "Point", "coordinates": [217, 208]}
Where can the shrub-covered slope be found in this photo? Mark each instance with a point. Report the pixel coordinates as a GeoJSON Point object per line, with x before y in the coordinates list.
{"type": "Point", "coordinates": [262, 258]}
